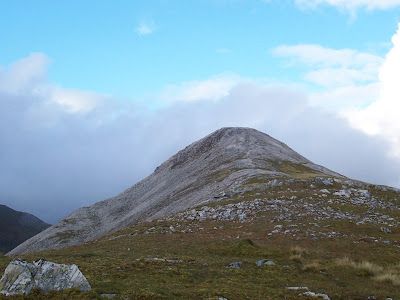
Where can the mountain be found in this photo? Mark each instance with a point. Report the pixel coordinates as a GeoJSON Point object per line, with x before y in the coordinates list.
{"type": "Point", "coordinates": [236, 215]}
{"type": "Point", "coordinates": [16, 227]}
{"type": "Point", "coordinates": [203, 172]}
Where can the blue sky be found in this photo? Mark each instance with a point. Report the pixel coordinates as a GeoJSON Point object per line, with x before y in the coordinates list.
{"type": "Point", "coordinates": [96, 94]}
{"type": "Point", "coordinates": [94, 44]}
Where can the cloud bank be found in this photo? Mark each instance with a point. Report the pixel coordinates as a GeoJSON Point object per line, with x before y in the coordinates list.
{"type": "Point", "coordinates": [382, 117]}
{"type": "Point", "coordinates": [63, 148]}
{"type": "Point", "coordinates": [359, 86]}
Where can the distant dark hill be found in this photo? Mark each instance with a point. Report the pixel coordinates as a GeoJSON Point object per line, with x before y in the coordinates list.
{"type": "Point", "coordinates": [16, 227]}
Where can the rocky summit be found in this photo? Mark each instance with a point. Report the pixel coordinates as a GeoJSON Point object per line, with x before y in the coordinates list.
{"type": "Point", "coordinates": [206, 171]}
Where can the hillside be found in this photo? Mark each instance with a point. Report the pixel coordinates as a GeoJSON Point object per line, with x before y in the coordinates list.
{"type": "Point", "coordinates": [16, 227]}
{"type": "Point", "coordinates": [335, 237]}
{"type": "Point", "coordinates": [314, 233]}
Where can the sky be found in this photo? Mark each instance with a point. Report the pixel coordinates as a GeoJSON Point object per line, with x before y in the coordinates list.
{"type": "Point", "coordinates": [95, 94]}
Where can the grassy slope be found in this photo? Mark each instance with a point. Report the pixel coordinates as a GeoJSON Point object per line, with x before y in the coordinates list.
{"type": "Point", "coordinates": [124, 263]}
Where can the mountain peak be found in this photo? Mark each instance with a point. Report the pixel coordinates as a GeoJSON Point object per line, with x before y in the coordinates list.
{"type": "Point", "coordinates": [240, 133]}
{"type": "Point", "coordinates": [235, 131]}
{"type": "Point", "coordinates": [223, 162]}
{"type": "Point", "coordinates": [234, 144]}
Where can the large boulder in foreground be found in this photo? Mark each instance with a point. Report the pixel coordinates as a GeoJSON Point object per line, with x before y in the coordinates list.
{"type": "Point", "coordinates": [20, 277]}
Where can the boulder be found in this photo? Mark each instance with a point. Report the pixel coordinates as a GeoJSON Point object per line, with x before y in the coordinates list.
{"type": "Point", "coordinates": [316, 295]}
{"type": "Point", "coordinates": [235, 265]}
{"type": "Point", "coordinates": [20, 277]}
{"type": "Point", "coordinates": [17, 278]}
{"type": "Point", "coordinates": [386, 230]}
{"type": "Point", "coordinates": [265, 262]}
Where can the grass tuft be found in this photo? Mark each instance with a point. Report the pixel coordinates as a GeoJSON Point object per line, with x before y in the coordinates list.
{"type": "Point", "coordinates": [388, 277]}
{"type": "Point", "coordinates": [296, 258]}
{"type": "Point", "coordinates": [314, 266]}
{"type": "Point", "coordinates": [297, 250]}
{"type": "Point", "coordinates": [379, 273]}
{"type": "Point", "coordinates": [368, 268]}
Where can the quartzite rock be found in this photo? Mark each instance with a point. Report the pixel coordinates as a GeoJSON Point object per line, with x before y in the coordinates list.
{"type": "Point", "coordinates": [20, 277]}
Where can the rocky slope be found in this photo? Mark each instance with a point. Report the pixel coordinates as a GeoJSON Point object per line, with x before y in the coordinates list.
{"type": "Point", "coordinates": [16, 227]}
{"type": "Point", "coordinates": [310, 237]}
{"type": "Point", "coordinates": [208, 170]}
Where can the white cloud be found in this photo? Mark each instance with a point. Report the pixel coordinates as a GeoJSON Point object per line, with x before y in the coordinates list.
{"type": "Point", "coordinates": [212, 89]}
{"type": "Point", "coordinates": [28, 75]}
{"type": "Point", "coordinates": [317, 55]}
{"type": "Point", "coordinates": [342, 99]}
{"type": "Point", "coordinates": [351, 5]}
{"type": "Point", "coordinates": [145, 28]}
{"type": "Point", "coordinates": [24, 74]}
{"type": "Point", "coordinates": [340, 77]}
{"type": "Point", "coordinates": [332, 67]}
{"type": "Point", "coordinates": [348, 77]}
{"type": "Point", "coordinates": [382, 117]}
{"type": "Point", "coordinates": [362, 87]}
{"type": "Point", "coordinates": [75, 101]}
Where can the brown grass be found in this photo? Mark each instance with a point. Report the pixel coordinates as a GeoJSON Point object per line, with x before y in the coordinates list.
{"type": "Point", "coordinates": [388, 277]}
{"type": "Point", "coordinates": [298, 250]}
{"type": "Point", "coordinates": [380, 274]}
{"type": "Point", "coordinates": [313, 266]}
{"type": "Point", "coordinates": [367, 267]}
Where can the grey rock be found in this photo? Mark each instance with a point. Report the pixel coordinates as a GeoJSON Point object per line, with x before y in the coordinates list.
{"type": "Point", "coordinates": [343, 193]}
{"type": "Point", "coordinates": [20, 277]}
{"type": "Point", "coordinates": [316, 295]}
{"type": "Point", "coordinates": [386, 230]}
{"type": "Point", "coordinates": [17, 278]}
{"type": "Point", "coordinates": [265, 263]}
{"type": "Point", "coordinates": [235, 265]}
{"type": "Point", "coordinates": [218, 164]}
{"type": "Point", "coordinates": [297, 288]}
{"type": "Point", "coordinates": [327, 181]}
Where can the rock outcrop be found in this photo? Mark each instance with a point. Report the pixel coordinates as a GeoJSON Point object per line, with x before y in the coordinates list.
{"type": "Point", "coordinates": [21, 277]}
{"type": "Point", "coordinates": [217, 166]}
